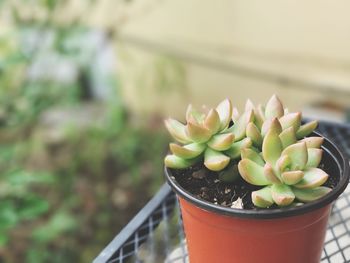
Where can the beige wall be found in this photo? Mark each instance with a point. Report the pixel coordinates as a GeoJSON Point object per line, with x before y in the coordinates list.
{"type": "Point", "coordinates": [313, 28]}
{"type": "Point", "coordinates": [307, 40]}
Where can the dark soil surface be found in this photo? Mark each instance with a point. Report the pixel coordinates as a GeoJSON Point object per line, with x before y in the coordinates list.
{"type": "Point", "coordinates": [204, 184]}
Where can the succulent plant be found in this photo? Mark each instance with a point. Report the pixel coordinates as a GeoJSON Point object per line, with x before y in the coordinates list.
{"type": "Point", "coordinates": [271, 142]}
{"type": "Point", "coordinates": [206, 136]}
{"type": "Point", "coordinates": [288, 169]}
{"type": "Point", "coordinates": [263, 118]}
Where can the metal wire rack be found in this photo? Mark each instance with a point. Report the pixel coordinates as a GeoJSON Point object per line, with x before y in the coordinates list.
{"type": "Point", "coordinates": [156, 233]}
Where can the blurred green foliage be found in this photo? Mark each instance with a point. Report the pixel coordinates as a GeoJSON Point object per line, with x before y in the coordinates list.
{"type": "Point", "coordinates": [63, 200]}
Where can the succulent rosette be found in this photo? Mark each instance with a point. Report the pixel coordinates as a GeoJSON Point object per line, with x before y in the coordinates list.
{"type": "Point", "coordinates": [262, 118]}
{"type": "Point", "coordinates": [287, 168]}
{"type": "Point", "coordinates": [206, 137]}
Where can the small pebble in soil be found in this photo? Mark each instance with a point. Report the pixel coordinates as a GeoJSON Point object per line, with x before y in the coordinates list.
{"type": "Point", "coordinates": [200, 174]}
{"type": "Point", "coordinates": [238, 204]}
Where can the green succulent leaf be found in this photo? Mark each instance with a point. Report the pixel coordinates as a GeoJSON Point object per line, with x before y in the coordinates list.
{"type": "Point", "coordinates": [249, 105]}
{"type": "Point", "coordinates": [272, 147]}
{"type": "Point", "coordinates": [197, 133]}
{"type": "Point", "coordinates": [282, 194]}
{"type": "Point", "coordinates": [313, 177]}
{"type": "Point", "coordinates": [313, 142]}
{"type": "Point", "coordinates": [308, 195]}
{"type": "Point", "coordinates": [274, 108]}
{"type": "Point", "coordinates": [177, 130]}
{"type": "Point", "coordinates": [306, 129]}
{"type": "Point", "coordinates": [224, 110]}
{"type": "Point", "coordinates": [235, 114]}
{"type": "Point", "coordinates": [221, 142]}
{"type": "Point", "coordinates": [298, 154]}
{"type": "Point", "coordinates": [252, 172]}
{"type": "Point", "coordinates": [271, 124]}
{"type": "Point", "coordinates": [194, 116]}
{"type": "Point", "coordinates": [239, 127]}
{"type": "Point", "coordinates": [259, 116]}
{"type": "Point", "coordinates": [175, 162]}
{"type": "Point", "coordinates": [314, 157]}
{"type": "Point", "coordinates": [283, 163]}
{"type": "Point", "coordinates": [212, 121]}
{"type": "Point", "coordinates": [291, 120]}
{"type": "Point", "coordinates": [263, 197]}
{"type": "Point", "coordinates": [288, 137]}
{"type": "Point", "coordinates": [254, 134]}
{"type": "Point", "coordinates": [271, 175]}
{"type": "Point", "coordinates": [188, 151]}
{"type": "Point", "coordinates": [214, 160]}
{"type": "Point", "coordinates": [292, 177]}
{"type": "Point", "coordinates": [235, 150]}
{"type": "Point", "coordinates": [247, 153]}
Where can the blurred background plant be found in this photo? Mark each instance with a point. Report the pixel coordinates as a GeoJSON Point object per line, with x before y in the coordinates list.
{"type": "Point", "coordinates": [74, 165]}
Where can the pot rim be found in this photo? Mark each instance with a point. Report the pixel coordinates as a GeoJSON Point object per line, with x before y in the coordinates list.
{"type": "Point", "coordinates": [337, 156]}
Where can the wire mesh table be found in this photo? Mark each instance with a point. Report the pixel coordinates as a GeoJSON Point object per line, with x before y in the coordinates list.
{"type": "Point", "coordinates": [156, 233]}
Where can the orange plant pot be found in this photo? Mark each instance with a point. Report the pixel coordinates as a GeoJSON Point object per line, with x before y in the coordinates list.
{"type": "Point", "coordinates": [213, 237]}
{"type": "Point", "coordinates": [217, 234]}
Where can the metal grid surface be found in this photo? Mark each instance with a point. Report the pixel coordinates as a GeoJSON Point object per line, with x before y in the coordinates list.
{"type": "Point", "coordinates": [156, 233]}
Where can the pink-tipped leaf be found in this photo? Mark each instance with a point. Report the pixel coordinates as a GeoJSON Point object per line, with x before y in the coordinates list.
{"type": "Point", "coordinates": [270, 174]}
{"type": "Point", "coordinates": [262, 198]}
{"type": "Point", "coordinates": [235, 114]}
{"type": "Point", "coordinates": [283, 163]}
{"type": "Point", "coordinates": [250, 154]}
{"type": "Point", "coordinates": [188, 151]}
{"type": "Point", "coordinates": [235, 149]}
{"type": "Point", "coordinates": [314, 157]}
{"type": "Point", "coordinates": [177, 130]}
{"type": "Point", "coordinates": [212, 121]}
{"type": "Point", "coordinates": [175, 162]}
{"type": "Point", "coordinates": [221, 142]}
{"type": "Point", "coordinates": [193, 115]}
{"type": "Point", "coordinates": [298, 154]}
{"type": "Point", "coordinates": [282, 194]}
{"type": "Point", "coordinates": [292, 177]}
{"type": "Point", "coordinates": [197, 133]}
{"type": "Point", "coordinates": [271, 124]}
{"type": "Point", "coordinates": [288, 137]}
{"type": "Point", "coordinates": [214, 160]}
{"type": "Point", "coordinates": [259, 116]}
{"type": "Point", "coordinates": [313, 177]}
{"type": "Point", "coordinates": [252, 172]}
{"type": "Point", "coordinates": [239, 127]}
{"type": "Point", "coordinates": [306, 129]}
{"type": "Point", "coordinates": [271, 147]}
{"type": "Point", "coordinates": [309, 195]}
{"type": "Point", "coordinates": [274, 108]}
{"type": "Point", "coordinates": [224, 110]}
{"type": "Point", "coordinates": [249, 105]}
{"type": "Point", "coordinates": [313, 142]}
{"type": "Point", "coordinates": [291, 120]}
{"type": "Point", "coordinates": [254, 134]}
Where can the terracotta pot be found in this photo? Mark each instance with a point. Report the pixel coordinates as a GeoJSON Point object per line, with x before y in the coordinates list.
{"type": "Point", "coordinates": [291, 235]}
